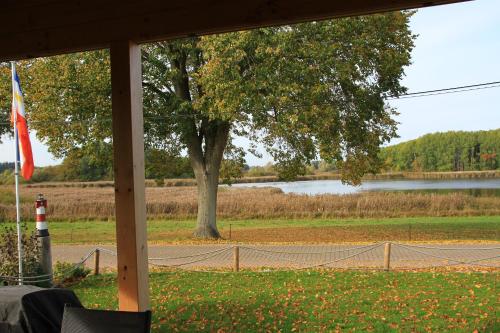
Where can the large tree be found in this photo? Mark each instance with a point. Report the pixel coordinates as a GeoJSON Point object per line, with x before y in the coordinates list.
{"type": "Point", "coordinates": [307, 91]}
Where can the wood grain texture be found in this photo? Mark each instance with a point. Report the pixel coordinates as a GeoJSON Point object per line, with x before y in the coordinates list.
{"type": "Point", "coordinates": [128, 150]}
{"type": "Point", "coordinates": [31, 28]}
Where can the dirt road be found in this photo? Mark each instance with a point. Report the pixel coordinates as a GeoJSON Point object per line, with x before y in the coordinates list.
{"type": "Point", "coordinates": [218, 256]}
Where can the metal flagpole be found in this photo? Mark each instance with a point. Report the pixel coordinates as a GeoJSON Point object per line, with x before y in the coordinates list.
{"type": "Point", "coordinates": [16, 174]}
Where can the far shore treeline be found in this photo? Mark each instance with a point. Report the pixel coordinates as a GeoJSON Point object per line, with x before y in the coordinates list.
{"type": "Point", "coordinates": [449, 151]}
{"type": "Point", "coordinates": [437, 152]}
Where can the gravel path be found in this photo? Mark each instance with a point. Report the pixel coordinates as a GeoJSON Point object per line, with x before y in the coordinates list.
{"type": "Point", "coordinates": [298, 256]}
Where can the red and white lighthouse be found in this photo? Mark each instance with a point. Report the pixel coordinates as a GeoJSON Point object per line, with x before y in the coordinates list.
{"type": "Point", "coordinates": [42, 227]}
{"type": "Point", "coordinates": [43, 237]}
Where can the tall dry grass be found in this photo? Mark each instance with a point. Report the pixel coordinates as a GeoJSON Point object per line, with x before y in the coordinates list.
{"type": "Point", "coordinates": [97, 203]}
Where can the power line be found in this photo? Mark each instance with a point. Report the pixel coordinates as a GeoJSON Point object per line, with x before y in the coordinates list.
{"type": "Point", "coordinates": [443, 93]}
{"type": "Point", "coordinates": [452, 90]}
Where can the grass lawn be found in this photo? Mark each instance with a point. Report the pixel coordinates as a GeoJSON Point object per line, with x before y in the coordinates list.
{"type": "Point", "coordinates": [312, 301]}
{"type": "Point", "coordinates": [295, 230]}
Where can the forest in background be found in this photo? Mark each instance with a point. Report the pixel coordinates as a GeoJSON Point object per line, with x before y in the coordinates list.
{"type": "Point", "coordinates": [447, 151]}
{"type": "Point", "coordinates": [436, 152]}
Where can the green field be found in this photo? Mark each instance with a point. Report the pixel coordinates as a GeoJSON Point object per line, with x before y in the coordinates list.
{"type": "Point", "coordinates": [312, 301]}
{"type": "Point", "coordinates": [289, 230]}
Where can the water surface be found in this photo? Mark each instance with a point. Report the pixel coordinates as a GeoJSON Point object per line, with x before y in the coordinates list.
{"type": "Point", "coordinates": [478, 187]}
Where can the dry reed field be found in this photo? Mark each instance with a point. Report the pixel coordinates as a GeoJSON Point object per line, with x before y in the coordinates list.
{"type": "Point", "coordinates": [97, 203]}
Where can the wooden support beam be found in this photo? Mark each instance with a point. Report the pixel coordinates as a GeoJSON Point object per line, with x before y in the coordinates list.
{"type": "Point", "coordinates": [34, 28]}
{"type": "Point", "coordinates": [128, 149]}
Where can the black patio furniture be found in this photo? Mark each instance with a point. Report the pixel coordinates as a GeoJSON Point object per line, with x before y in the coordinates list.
{"type": "Point", "coordinates": [30, 309]}
{"type": "Point", "coordinates": [81, 320]}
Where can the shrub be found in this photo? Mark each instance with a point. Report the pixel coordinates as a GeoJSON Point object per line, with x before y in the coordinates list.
{"type": "Point", "coordinates": [9, 256]}
{"type": "Point", "coordinates": [261, 171]}
{"type": "Point", "coordinates": [66, 273]}
{"type": "Point", "coordinates": [160, 182]}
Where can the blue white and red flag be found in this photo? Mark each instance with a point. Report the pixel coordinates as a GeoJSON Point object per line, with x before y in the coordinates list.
{"type": "Point", "coordinates": [23, 143]}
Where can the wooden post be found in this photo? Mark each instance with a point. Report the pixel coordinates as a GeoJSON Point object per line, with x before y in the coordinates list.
{"type": "Point", "coordinates": [387, 256]}
{"type": "Point", "coordinates": [229, 231]}
{"type": "Point", "coordinates": [128, 153]}
{"type": "Point", "coordinates": [96, 261]}
{"type": "Point", "coordinates": [236, 257]}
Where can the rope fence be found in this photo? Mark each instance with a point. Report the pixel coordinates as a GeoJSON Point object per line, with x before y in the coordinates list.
{"type": "Point", "coordinates": [375, 256]}
{"type": "Point", "coordinates": [371, 256]}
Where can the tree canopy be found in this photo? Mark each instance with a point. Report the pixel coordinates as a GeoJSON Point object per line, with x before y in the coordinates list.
{"type": "Point", "coordinates": [303, 92]}
{"type": "Point", "coordinates": [448, 151]}
{"type": "Point", "coordinates": [5, 98]}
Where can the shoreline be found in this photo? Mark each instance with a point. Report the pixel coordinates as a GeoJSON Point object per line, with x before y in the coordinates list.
{"type": "Point", "coordinates": [447, 175]}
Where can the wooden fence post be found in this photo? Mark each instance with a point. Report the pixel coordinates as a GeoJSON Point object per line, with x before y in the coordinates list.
{"type": "Point", "coordinates": [236, 257]}
{"type": "Point", "coordinates": [96, 261]}
{"type": "Point", "coordinates": [387, 256]}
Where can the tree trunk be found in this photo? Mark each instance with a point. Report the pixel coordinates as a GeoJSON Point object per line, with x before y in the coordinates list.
{"type": "Point", "coordinates": [207, 205]}
{"type": "Point", "coordinates": [206, 141]}
{"type": "Point", "coordinates": [206, 161]}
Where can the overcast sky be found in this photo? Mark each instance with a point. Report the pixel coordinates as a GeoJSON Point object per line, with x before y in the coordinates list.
{"type": "Point", "coordinates": [457, 45]}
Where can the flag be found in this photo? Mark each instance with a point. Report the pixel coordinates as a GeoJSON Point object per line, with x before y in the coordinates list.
{"type": "Point", "coordinates": [23, 144]}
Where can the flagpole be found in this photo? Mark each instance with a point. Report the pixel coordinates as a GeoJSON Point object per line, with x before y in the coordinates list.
{"type": "Point", "coordinates": [16, 174]}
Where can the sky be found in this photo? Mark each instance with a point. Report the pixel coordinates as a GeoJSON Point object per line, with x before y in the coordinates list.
{"type": "Point", "coordinates": [457, 45]}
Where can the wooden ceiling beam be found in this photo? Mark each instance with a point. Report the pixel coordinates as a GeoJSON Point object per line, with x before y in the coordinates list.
{"type": "Point", "coordinates": [33, 28]}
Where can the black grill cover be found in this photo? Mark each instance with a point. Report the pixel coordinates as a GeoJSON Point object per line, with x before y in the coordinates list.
{"type": "Point", "coordinates": [31, 309]}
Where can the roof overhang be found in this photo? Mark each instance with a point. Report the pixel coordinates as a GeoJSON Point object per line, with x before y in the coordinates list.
{"type": "Point", "coordinates": [33, 28]}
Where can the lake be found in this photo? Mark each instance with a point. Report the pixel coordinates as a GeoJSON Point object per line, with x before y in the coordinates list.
{"type": "Point", "coordinates": [477, 187]}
